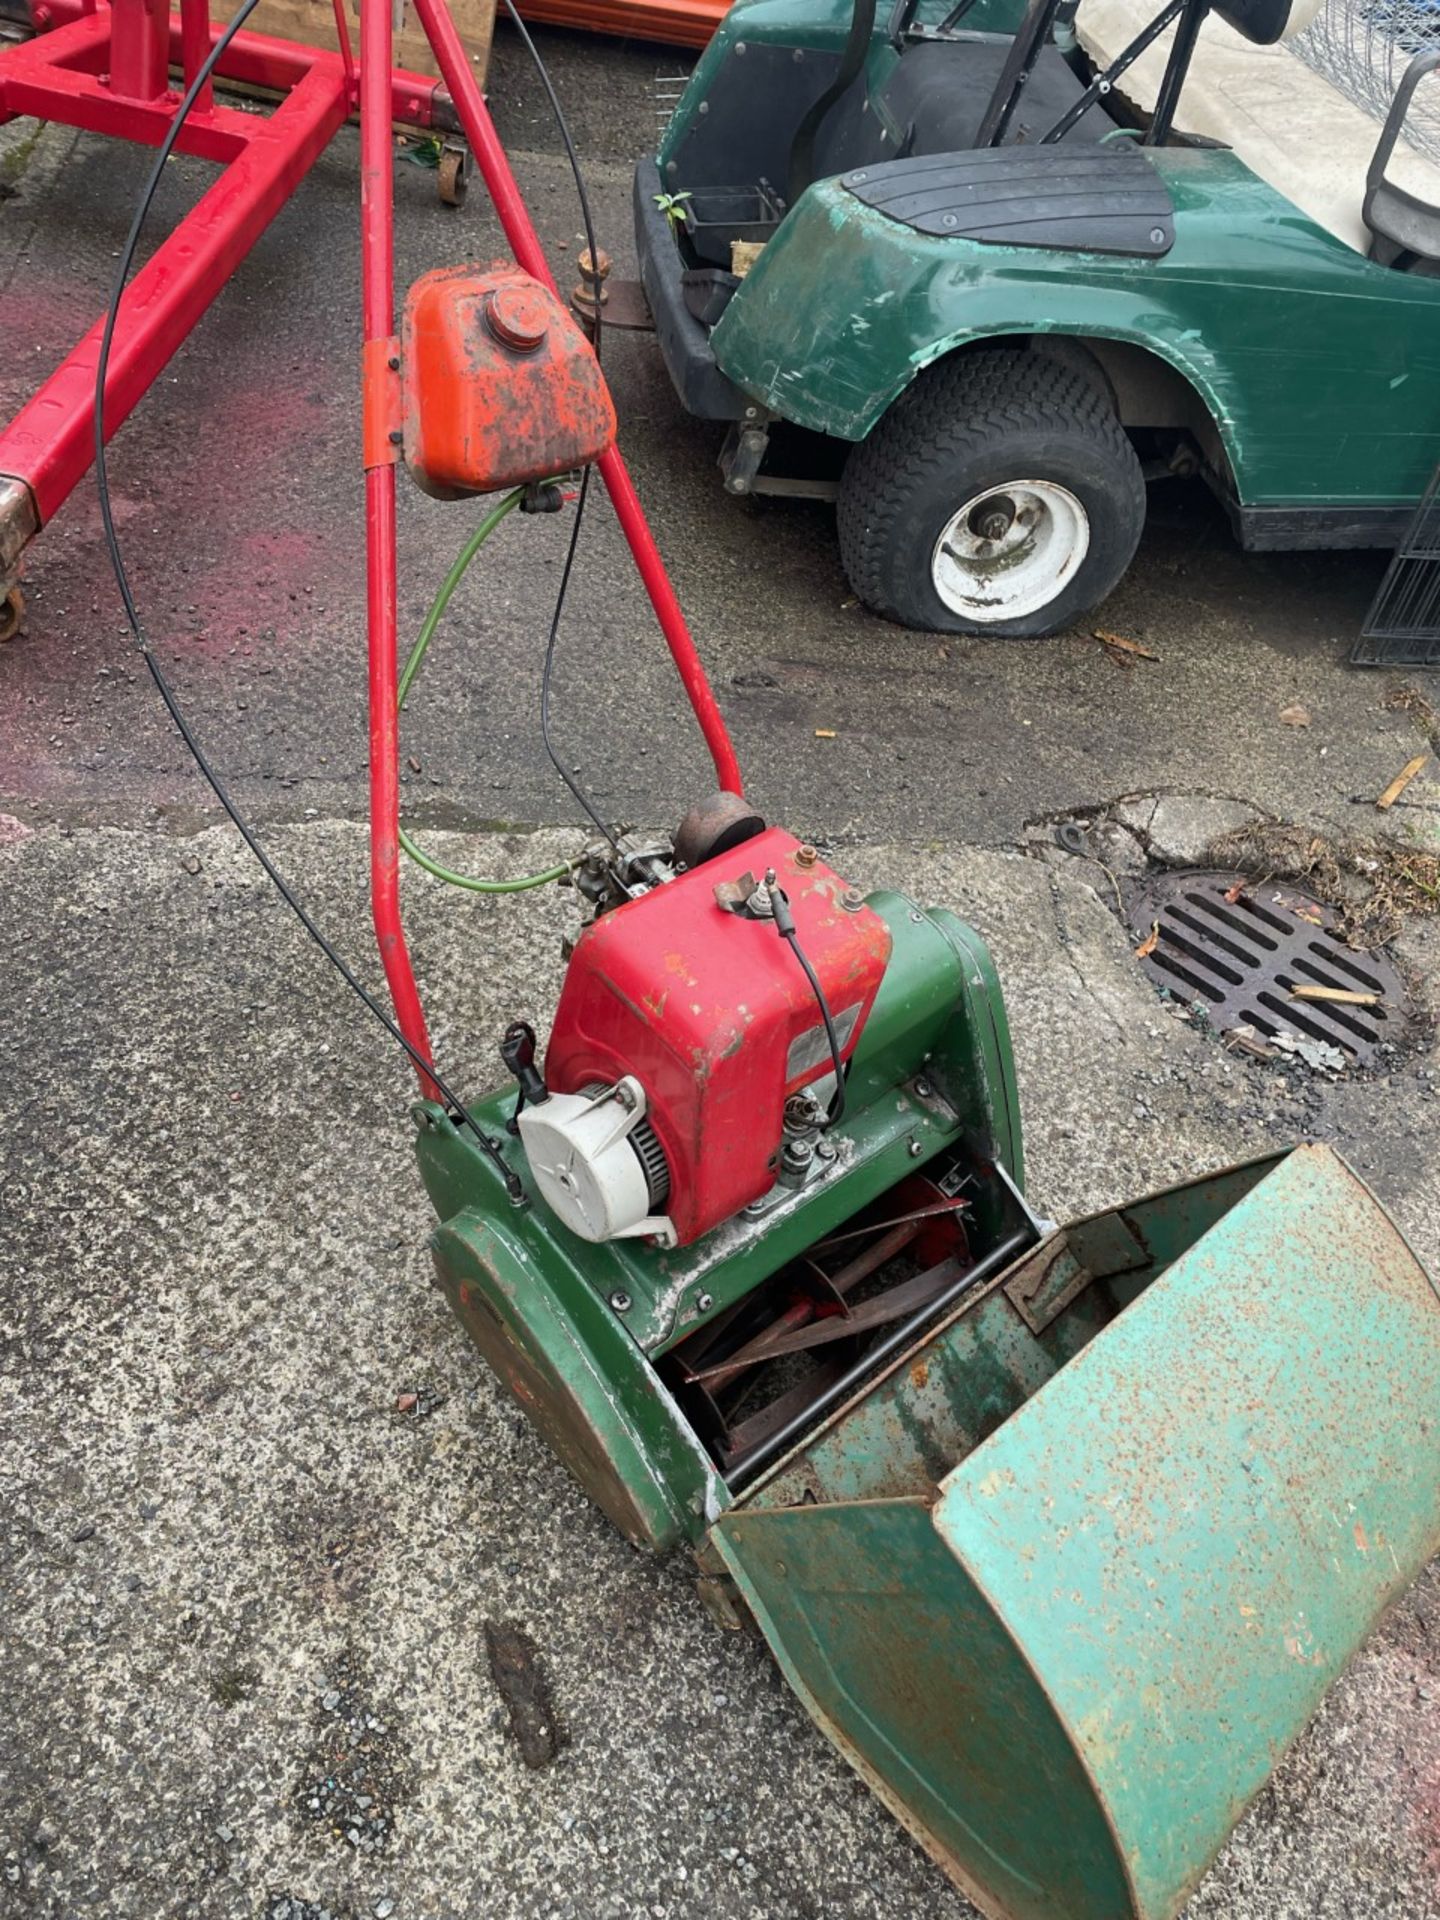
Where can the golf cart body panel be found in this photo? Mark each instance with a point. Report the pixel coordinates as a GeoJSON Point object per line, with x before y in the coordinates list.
{"type": "Point", "coordinates": [1230, 308]}
{"type": "Point", "coordinates": [954, 267]}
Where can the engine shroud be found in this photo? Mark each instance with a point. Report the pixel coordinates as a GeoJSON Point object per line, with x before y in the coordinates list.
{"type": "Point", "coordinates": [712, 1013]}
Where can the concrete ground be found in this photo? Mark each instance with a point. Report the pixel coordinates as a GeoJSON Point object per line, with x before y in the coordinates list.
{"type": "Point", "coordinates": [233, 1571]}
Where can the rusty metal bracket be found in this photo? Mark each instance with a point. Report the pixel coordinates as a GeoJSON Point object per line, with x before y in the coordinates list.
{"type": "Point", "coordinates": [381, 416]}
{"type": "Point", "coordinates": [1061, 1269]}
{"type": "Point", "coordinates": [19, 524]}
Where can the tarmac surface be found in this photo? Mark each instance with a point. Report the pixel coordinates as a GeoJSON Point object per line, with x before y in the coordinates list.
{"type": "Point", "coordinates": [241, 1591]}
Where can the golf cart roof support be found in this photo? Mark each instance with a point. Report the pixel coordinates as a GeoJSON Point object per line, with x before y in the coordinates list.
{"type": "Point", "coordinates": [1182, 52]}
{"type": "Point", "coordinates": [1034, 33]}
{"type": "Point", "coordinates": [1030, 37]}
{"type": "Point", "coordinates": [1103, 82]}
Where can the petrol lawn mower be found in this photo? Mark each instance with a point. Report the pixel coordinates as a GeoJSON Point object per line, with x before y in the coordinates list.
{"type": "Point", "coordinates": [1059, 1533]}
{"type": "Point", "coordinates": [954, 265]}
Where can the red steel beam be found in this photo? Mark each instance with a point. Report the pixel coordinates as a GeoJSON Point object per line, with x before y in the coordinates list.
{"type": "Point", "coordinates": [48, 444]}
{"type": "Point", "coordinates": [139, 48]}
{"type": "Point", "coordinates": [524, 242]}
{"type": "Point", "coordinates": [58, 78]}
{"type": "Point", "coordinates": [195, 44]}
{"type": "Point", "coordinates": [261, 60]}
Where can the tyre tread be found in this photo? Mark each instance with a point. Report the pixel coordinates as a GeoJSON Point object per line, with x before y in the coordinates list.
{"type": "Point", "coordinates": [957, 409]}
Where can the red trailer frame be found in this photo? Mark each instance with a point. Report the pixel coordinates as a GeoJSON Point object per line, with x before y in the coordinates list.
{"type": "Point", "coordinates": [106, 68]}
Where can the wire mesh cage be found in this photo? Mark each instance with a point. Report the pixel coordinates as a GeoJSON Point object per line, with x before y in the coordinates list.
{"type": "Point", "coordinates": [1402, 627]}
{"type": "Point", "coordinates": [1363, 47]}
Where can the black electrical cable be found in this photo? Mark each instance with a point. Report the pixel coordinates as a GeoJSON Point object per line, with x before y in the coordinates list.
{"type": "Point", "coordinates": [157, 674]}
{"type": "Point", "coordinates": [785, 927]}
{"type": "Point", "coordinates": [588, 222]}
{"type": "Point", "coordinates": [563, 126]}
{"type": "Point", "coordinates": [548, 670]}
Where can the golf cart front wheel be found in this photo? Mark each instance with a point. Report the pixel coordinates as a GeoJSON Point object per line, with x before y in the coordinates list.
{"type": "Point", "coordinates": [999, 495]}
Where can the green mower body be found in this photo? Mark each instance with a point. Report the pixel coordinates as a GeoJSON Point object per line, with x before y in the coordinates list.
{"type": "Point", "coordinates": [1063, 1558]}
{"type": "Point", "coordinates": [1164, 304]}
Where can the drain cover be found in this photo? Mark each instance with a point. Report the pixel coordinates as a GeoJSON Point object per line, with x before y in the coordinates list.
{"type": "Point", "coordinates": [1242, 958]}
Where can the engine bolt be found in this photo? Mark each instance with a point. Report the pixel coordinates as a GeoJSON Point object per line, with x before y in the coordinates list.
{"type": "Point", "coordinates": [620, 1300]}
{"type": "Point", "coordinates": [805, 856]}
{"type": "Point", "coordinates": [852, 900]}
{"type": "Point", "coordinates": [923, 1088]}
{"type": "Point", "coordinates": [915, 1149]}
{"type": "Point", "coordinates": [798, 1155]}
{"type": "Point", "coordinates": [705, 1302]}
{"type": "Point", "coordinates": [826, 1149]}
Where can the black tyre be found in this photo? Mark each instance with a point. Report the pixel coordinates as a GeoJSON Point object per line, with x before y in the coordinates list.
{"type": "Point", "coordinates": [999, 495]}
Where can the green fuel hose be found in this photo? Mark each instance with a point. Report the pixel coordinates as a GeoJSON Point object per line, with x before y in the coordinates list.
{"type": "Point", "coordinates": [412, 666]}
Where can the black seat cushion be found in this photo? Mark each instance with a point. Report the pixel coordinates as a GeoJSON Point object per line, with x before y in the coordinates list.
{"type": "Point", "coordinates": [936, 98]}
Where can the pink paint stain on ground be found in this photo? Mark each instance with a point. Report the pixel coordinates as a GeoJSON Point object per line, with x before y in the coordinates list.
{"type": "Point", "coordinates": [288, 582]}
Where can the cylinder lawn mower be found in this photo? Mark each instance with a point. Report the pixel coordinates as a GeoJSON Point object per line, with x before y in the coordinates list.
{"type": "Point", "coordinates": [1060, 1534]}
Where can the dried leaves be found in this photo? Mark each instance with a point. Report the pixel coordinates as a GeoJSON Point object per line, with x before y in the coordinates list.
{"type": "Point", "coordinates": [1374, 886]}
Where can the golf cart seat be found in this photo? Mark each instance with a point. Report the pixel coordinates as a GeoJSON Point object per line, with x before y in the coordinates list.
{"type": "Point", "coordinates": [1404, 230]}
{"type": "Point", "coordinates": [936, 98]}
{"type": "Point", "coordinates": [1288, 124]}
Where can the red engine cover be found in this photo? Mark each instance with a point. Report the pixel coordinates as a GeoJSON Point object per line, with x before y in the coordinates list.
{"type": "Point", "coordinates": [711, 1012]}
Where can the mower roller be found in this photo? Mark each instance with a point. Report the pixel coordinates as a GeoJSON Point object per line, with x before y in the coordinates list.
{"type": "Point", "coordinates": [1059, 1533]}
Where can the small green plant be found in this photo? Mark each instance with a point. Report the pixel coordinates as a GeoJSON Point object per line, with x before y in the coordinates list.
{"type": "Point", "coordinates": [423, 153]}
{"type": "Point", "coordinates": [673, 206]}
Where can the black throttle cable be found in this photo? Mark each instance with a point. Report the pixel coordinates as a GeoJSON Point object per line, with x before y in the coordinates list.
{"type": "Point", "coordinates": [785, 927]}
{"type": "Point", "coordinates": [588, 222]}
{"type": "Point", "coordinates": [157, 674]}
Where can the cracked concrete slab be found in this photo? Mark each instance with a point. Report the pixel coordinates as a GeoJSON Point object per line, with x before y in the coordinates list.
{"type": "Point", "coordinates": [1180, 828]}
{"type": "Point", "coordinates": [230, 1561]}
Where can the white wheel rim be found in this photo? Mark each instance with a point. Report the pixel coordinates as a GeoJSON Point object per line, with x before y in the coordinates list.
{"type": "Point", "coordinates": [1010, 551]}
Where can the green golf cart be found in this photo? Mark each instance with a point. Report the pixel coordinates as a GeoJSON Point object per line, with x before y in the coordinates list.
{"type": "Point", "coordinates": [970, 271]}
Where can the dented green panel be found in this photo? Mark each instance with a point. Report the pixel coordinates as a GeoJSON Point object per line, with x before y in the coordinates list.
{"type": "Point", "coordinates": [1066, 1582]}
{"type": "Point", "coordinates": [1320, 369]}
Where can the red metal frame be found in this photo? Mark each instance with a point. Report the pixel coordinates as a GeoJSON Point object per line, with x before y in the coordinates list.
{"type": "Point", "coordinates": [104, 66]}
{"type": "Point", "coordinates": [377, 195]}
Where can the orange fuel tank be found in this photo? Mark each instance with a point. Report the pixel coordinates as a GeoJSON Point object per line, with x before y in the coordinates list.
{"type": "Point", "coordinates": [500, 385]}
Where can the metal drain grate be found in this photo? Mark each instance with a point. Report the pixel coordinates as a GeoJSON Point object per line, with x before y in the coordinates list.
{"type": "Point", "coordinates": [1241, 958]}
